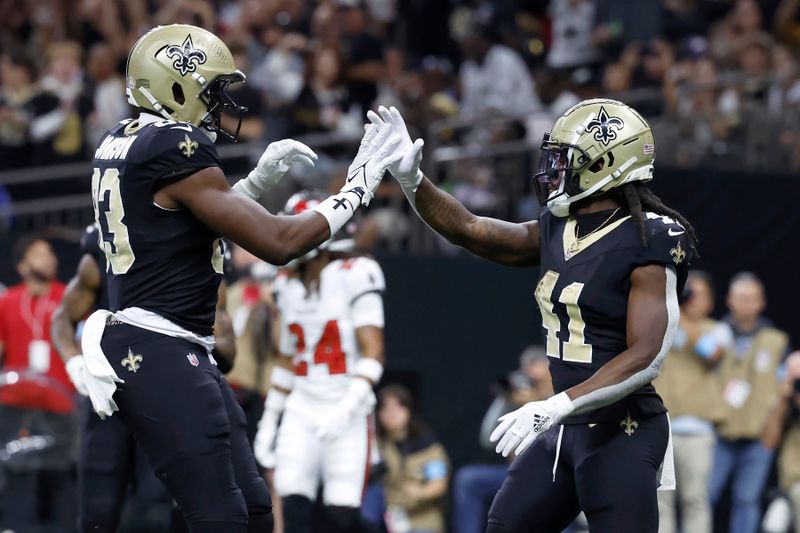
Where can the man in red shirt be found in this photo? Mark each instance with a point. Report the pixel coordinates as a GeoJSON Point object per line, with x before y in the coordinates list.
{"type": "Point", "coordinates": [37, 398]}
{"type": "Point", "coordinates": [25, 311]}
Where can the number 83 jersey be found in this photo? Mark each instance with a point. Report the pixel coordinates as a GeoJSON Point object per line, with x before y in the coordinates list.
{"type": "Point", "coordinates": [319, 325]}
{"type": "Point", "coordinates": [583, 296]}
{"type": "Point", "coordinates": [162, 260]}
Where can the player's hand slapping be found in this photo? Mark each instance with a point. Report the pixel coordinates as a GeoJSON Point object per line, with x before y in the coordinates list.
{"type": "Point", "coordinates": [405, 168]}
{"type": "Point", "coordinates": [518, 429]}
{"type": "Point", "coordinates": [273, 164]}
{"type": "Point", "coordinates": [378, 152]}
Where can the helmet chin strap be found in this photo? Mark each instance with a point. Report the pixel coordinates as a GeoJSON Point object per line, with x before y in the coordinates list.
{"type": "Point", "coordinates": [559, 205]}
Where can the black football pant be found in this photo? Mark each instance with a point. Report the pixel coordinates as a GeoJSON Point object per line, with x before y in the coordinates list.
{"type": "Point", "coordinates": [184, 415]}
{"type": "Point", "coordinates": [604, 472]}
{"type": "Point", "coordinates": [110, 464]}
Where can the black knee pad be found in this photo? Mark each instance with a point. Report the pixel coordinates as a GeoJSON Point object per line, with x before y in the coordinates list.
{"type": "Point", "coordinates": [345, 519]}
{"type": "Point", "coordinates": [297, 514]}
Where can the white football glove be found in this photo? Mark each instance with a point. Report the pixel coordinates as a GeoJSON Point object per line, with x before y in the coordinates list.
{"type": "Point", "coordinates": [359, 400]}
{"type": "Point", "coordinates": [518, 429]}
{"type": "Point", "coordinates": [406, 168]}
{"type": "Point", "coordinates": [76, 370]}
{"type": "Point", "coordinates": [377, 152]}
{"type": "Point", "coordinates": [264, 443]}
{"type": "Point", "coordinates": [272, 165]}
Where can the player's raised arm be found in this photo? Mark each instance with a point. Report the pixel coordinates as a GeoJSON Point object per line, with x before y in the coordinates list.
{"type": "Point", "coordinates": [279, 239]}
{"type": "Point", "coordinates": [508, 243]}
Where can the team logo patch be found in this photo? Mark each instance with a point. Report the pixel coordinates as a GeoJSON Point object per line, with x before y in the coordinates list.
{"type": "Point", "coordinates": [193, 359]}
{"type": "Point", "coordinates": [132, 361]}
{"type": "Point", "coordinates": [604, 127]}
{"type": "Point", "coordinates": [186, 56]}
{"type": "Point", "coordinates": [628, 425]}
{"type": "Point", "coordinates": [187, 146]}
{"type": "Point", "coordinates": [678, 254]}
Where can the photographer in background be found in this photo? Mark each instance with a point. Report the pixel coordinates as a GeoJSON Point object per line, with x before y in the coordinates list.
{"type": "Point", "coordinates": [782, 433]}
{"type": "Point", "coordinates": [475, 485]}
{"type": "Point", "coordinates": [692, 394]}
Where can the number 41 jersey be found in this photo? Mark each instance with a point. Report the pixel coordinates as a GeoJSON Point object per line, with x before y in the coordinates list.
{"type": "Point", "coordinates": [583, 296]}
{"type": "Point", "coordinates": [162, 260]}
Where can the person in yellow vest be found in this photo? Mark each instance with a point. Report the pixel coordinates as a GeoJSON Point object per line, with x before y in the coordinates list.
{"type": "Point", "coordinates": [417, 468]}
{"type": "Point", "coordinates": [748, 375]}
{"type": "Point", "coordinates": [783, 433]}
{"type": "Point", "coordinates": [249, 304]}
{"type": "Point", "coordinates": [690, 390]}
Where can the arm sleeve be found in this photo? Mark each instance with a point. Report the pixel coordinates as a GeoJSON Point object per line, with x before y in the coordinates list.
{"type": "Point", "coordinates": [608, 395]}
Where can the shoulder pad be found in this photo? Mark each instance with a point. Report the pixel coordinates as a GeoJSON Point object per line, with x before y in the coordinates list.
{"type": "Point", "coordinates": [361, 275]}
{"type": "Point", "coordinates": [667, 242]}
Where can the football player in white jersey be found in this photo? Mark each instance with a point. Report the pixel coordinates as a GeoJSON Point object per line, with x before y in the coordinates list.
{"type": "Point", "coordinates": [331, 308]}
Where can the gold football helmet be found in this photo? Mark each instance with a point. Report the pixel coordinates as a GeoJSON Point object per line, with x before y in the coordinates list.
{"type": "Point", "coordinates": [182, 73]}
{"type": "Point", "coordinates": [595, 146]}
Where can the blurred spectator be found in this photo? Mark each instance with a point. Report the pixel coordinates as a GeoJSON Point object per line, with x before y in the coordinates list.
{"type": "Point", "coordinates": [363, 55]}
{"type": "Point", "coordinates": [474, 486]}
{"type": "Point", "coordinates": [252, 126]}
{"type": "Point", "coordinates": [784, 93]}
{"type": "Point", "coordinates": [621, 22]}
{"type": "Point", "coordinates": [485, 63]}
{"type": "Point", "coordinates": [249, 306]}
{"type": "Point", "coordinates": [572, 25]}
{"type": "Point", "coordinates": [787, 22]}
{"type": "Point", "coordinates": [748, 375]}
{"type": "Point", "coordinates": [782, 434]}
{"type": "Point", "coordinates": [25, 312]}
{"type": "Point", "coordinates": [417, 467]}
{"type": "Point", "coordinates": [36, 399]}
{"type": "Point", "coordinates": [323, 98]}
{"type": "Point", "coordinates": [60, 136]}
{"type": "Point", "coordinates": [684, 18]}
{"type": "Point", "coordinates": [732, 34]}
{"type": "Point", "coordinates": [23, 108]}
{"type": "Point", "coordinates": [691, 392]}
{"type": "Point", "coordinates": [109, 102]}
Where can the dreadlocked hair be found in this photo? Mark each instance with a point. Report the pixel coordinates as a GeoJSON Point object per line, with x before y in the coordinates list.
{"type": "Point", "coordinates": [638, 199]}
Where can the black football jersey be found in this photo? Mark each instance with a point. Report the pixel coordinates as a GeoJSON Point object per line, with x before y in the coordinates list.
{"type": "Point", "coordinates": [162, 260]}
{"type": "Point", "coordinates": [90, 244]}
{"type": "Point", "coordinates": [583, 296]}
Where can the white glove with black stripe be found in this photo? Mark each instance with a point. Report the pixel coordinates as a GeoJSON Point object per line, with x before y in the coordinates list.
{"type": "Point", "coordinates": [518, 429]}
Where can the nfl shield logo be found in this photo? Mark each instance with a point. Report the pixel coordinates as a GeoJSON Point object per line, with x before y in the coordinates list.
{"type": "Point", "coordinates": [192, 359]}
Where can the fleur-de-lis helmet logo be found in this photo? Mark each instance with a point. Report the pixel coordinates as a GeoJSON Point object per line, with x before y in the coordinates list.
{"type": "Point", "coordinates": [186, 56]}
{"type": "Point", "coordinates": [604, 127]}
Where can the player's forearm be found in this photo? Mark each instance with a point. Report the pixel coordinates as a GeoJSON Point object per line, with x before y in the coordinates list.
{"type": "Point", "coordinates": [497, 240]}
{"type": "Point", "coordinates": [623, 375]}
{"type": "Point", "coordinates": [446, 215]}
{"type": "Point", "coordinates": [62, 333]}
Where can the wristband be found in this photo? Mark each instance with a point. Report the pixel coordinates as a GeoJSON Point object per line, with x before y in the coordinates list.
{"type": "Point", "coordinates": [562, 405]}
{"type": "Point", "coordinates": [338, 209]}
{"type": "Point", "coordinates": [246, 188]}
{"type": "Point", "coordinates": [282, 377]}
{"type": "Point", "coordinates": [369, 368]}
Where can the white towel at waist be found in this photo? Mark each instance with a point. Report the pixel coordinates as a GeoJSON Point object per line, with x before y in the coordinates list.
{"type": "Point", "coordinates": [101, 379]}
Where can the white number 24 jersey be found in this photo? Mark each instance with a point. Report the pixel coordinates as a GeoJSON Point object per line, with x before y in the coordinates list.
{"type": "Point", "coordinates": [318, 328]}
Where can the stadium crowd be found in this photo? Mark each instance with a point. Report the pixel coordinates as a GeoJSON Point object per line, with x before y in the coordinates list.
{"type": "Point", "coordinates": [719, 79]}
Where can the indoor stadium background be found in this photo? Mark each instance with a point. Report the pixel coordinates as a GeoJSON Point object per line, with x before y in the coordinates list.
{"type": "Point", "coordinates": [719, 81]}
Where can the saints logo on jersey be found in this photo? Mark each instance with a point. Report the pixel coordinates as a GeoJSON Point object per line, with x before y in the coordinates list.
{"type": "Point", "coordinates": [186, 56]}
{"type": "Point", "coordinates": [678, 254]}
{"type": "Point", "coordinates": [604, 127]}
{"type": "Point", "coordinates": [187, 146]}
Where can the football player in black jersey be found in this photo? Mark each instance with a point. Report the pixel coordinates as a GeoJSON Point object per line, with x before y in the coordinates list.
{"type": "Point", "coordinates": [110, 462]}
{"type": "Point", "coordinates": [613, 260]}
{"type": "Point", "coordinates": [162, 205]}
